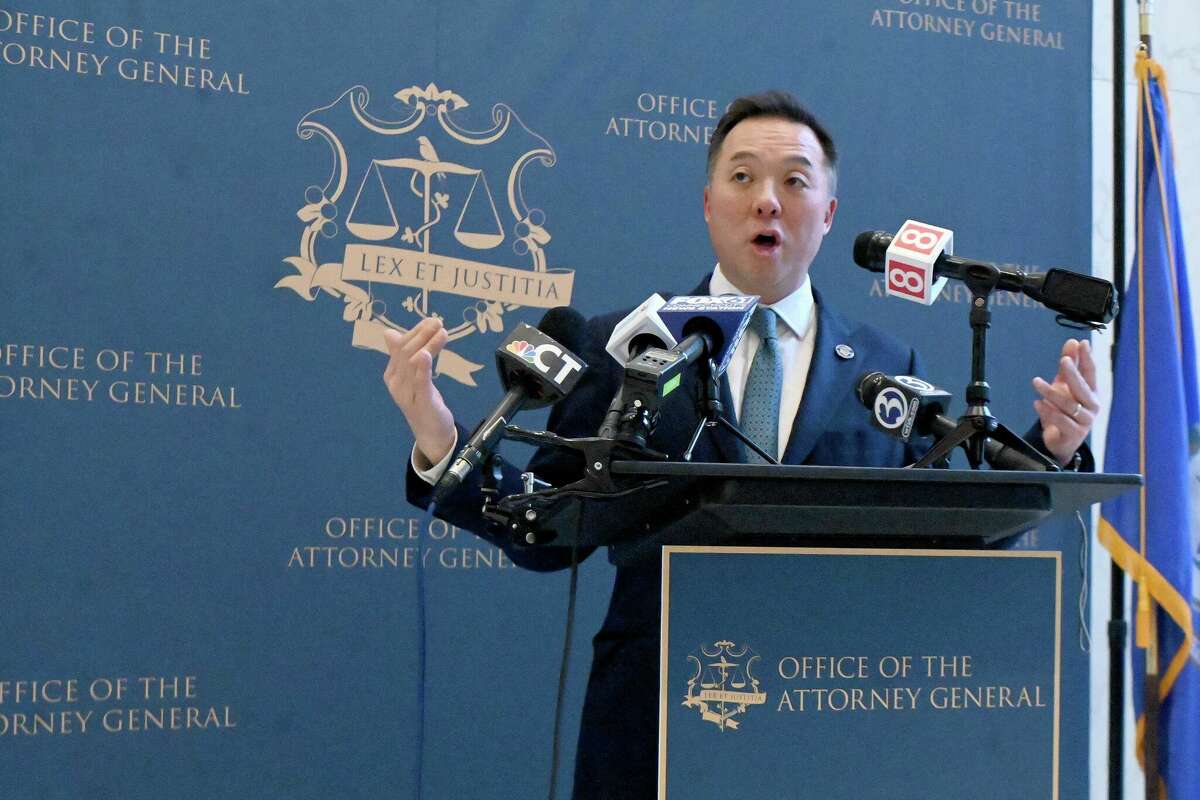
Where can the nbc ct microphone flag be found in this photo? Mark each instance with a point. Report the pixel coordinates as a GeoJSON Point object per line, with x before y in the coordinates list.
{"type": "Point", "coordinates": [1155, 430]}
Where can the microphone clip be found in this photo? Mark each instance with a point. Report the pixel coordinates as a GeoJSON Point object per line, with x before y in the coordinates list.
{"type": "Point", "coordinates": [534, 517]}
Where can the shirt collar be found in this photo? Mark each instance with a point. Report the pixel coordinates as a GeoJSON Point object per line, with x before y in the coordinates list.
{"type": "Point", "coordinates": [796, 310]}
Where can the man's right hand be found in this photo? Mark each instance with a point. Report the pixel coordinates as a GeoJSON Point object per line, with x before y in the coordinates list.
{"type": "Point", "coordinates": [409, 379]}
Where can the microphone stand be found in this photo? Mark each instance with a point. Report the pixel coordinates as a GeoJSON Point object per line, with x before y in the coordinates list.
{"type": "Point", "coordinates": [712, 413]}
{"type": "Point", "coordinates": [977, 424]}
{"type": "Point", "coordinates": [534, 515]}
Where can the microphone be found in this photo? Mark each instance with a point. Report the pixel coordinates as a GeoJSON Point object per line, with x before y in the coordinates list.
{"type": "Point", "coordinates": [705, 328]}
{"type": "Point", "coordinates": [535, 371]}
{"type": "Point", "coordinates": [911, 260]}
{"type": "Point", "coordinates": [904, 404]}
{"type": "Point", "coordinates": [722, 319]}
{"type": "Point", "coordinates": [919, 256]}
{"type": "Point", "coordinates": [641, 328]}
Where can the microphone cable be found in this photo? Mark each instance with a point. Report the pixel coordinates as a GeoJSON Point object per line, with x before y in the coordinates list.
{"type": "Point", "coordinates": [1085, 633]}
{"type": "Point", "coordinates": [422, 633]}
{"type": "Point", "coordinates": [563, 670]}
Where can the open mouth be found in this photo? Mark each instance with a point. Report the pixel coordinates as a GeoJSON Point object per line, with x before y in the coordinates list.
{"type": "Point", "coordinates": [765, 242]}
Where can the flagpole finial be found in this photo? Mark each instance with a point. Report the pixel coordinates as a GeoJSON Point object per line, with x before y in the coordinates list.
{"type": "Point", "coordinates": [1144, 12]}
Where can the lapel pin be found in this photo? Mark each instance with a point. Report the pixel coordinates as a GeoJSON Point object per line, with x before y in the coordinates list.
{"type": "Point", "coordinates": [844, 352]}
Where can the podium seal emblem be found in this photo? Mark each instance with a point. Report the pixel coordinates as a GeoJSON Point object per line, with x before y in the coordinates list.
{"type": "Point", "coordinates": [724, 685]}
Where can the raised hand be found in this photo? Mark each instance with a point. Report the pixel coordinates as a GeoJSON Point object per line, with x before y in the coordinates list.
{"type": "Point", "coordinates": [1068, 407]}
{"type": "Point", "coordinates": [409, 379]}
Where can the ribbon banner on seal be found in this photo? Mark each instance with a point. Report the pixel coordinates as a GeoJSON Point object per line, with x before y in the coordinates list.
{"type": "Point", "coordinates": [459, 276]}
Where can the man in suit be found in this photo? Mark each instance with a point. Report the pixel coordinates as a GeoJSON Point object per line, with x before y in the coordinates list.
{"type": "Point", "coordinates": [769, 201]}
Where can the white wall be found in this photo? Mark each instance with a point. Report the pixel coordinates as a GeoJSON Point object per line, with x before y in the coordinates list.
{"type": "Point", "coordinates": [1175, 32]}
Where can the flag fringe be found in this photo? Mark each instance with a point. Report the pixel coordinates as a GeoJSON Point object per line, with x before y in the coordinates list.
{"type": "Point", "coordinates": [1144, 574]}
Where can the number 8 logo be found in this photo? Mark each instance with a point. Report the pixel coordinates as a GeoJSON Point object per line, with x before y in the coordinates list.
{"type": "Point", "coordinates": [906, 280]}
{"type": "Point", "coordinates": [918, 239]}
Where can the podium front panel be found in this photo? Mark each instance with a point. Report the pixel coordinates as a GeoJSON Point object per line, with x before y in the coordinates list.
{"type": "Point", "coordinates": [867, 674]}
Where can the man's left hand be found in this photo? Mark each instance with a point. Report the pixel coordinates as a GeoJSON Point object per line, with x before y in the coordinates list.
{"type": "Point", "coordinates": [1068, 406]}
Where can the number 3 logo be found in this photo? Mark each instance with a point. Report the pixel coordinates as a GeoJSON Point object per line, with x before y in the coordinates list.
{"type": "Point", "coordinates": [915, 383]}
{"type": "Point", "coordinates": [890, 408]}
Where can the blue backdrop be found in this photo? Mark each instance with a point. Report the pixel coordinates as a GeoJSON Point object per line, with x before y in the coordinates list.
{"type": "Point", "coordinates": [200, 493]}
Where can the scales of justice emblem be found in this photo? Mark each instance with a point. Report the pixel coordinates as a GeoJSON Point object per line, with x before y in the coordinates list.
{"type": "Point", "coordinates": [724, 685]}
{"type": "Point", "coordinates": [427, 217]}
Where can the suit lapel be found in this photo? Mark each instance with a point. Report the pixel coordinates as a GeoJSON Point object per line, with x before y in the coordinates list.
{"type": "Point", "coordinates": [829, 378]}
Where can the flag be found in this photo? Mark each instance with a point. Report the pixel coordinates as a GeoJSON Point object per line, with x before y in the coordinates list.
{"type": "Point", "coordinates": [1154, 429]}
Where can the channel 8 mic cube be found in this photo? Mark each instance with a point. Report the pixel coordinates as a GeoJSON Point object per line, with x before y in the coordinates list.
{"type": "Point", "coordinates": [911, 258]}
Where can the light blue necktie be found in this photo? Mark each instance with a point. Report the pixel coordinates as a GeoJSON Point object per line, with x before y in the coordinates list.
{"type": "Point", "coordinates": [764, 384]}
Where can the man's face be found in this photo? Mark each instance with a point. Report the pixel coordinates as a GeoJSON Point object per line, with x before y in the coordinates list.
{"type": "Point", "coordinates": [768, 204]}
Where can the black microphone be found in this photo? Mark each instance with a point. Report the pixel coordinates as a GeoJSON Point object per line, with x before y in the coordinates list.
{"type": "Point", "coordinates": [1080, 298]}
{"type": "Point", "coordinates": [903, 405]}
{"type": "Point", "coordinates": [536, 371]}
{"type": "Point", "coordinates": [714, 323]}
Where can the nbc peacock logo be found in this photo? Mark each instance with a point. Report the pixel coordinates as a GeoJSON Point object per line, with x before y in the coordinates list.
{"type": "Point", "coordinates": [523, 349]}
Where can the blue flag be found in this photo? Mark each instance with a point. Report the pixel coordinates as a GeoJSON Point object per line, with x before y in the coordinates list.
{"type": "Point", "coordinates": [1155, 430]}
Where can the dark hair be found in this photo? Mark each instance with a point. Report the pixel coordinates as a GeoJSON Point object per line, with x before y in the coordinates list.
{"type": "Point", "coordinates": [772, 103]}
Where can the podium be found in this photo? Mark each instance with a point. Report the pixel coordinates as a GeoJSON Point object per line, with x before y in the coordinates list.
{"type": "Point", "coordinates": [784, 505]}
{"type": "Point", "coordinates": [851, 632]}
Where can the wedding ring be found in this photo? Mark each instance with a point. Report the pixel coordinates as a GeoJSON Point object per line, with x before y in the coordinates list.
{"type": "Point", "coordinates": [1075, 414]}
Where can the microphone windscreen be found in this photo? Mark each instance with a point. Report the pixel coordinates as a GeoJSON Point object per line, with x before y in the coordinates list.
{"type": "Point", "coordinates": [868, 386]}
{"type": "Point", "coordinates": [566, 326]}
{"type": "Point", "coordinates": [870, 249]}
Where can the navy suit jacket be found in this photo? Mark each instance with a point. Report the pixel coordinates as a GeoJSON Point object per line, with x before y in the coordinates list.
{"type": "Point", "coordinates": [616, 756]}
